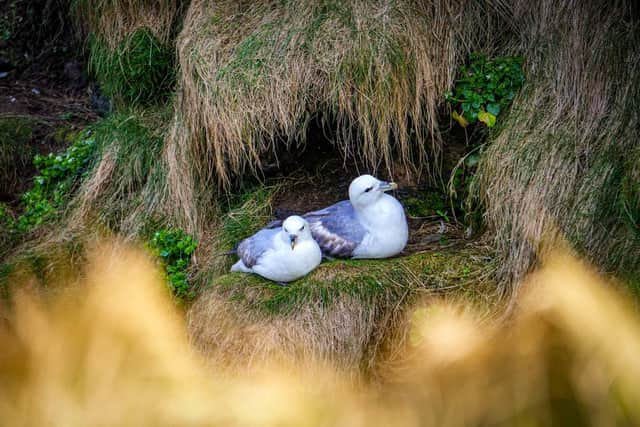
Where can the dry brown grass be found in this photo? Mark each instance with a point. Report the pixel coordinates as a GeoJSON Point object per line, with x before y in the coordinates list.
{"type": "Point", "coordinates": [254, 74]}
{"type": "Point", "coordinates": [113, 20]}
{"type": "Point", "coordinates": [126, 188]}
{"type": "Point", "coordinates": [112, 350]}
{"type": "Point", "coordinates": [566, 149]}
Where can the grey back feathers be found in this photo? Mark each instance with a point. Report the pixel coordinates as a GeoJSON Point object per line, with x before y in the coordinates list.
{"type": "Point", "coordinates": [336, 229]}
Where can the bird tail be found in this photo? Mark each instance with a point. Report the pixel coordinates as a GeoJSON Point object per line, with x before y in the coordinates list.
{"type": "Point", "coordinates": [240, 267]}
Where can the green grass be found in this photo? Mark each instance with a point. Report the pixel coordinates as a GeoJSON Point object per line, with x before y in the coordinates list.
{"type": "Point", "coordinates": [48, 266]}
{"type": "Point", "coordinates": [129, 172]}
{"type": "Point", "coordinates": [139, 71]}
{"type": "Point", "coordinates": [245, 213]}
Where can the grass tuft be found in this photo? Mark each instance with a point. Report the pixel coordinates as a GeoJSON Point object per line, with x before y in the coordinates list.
{"type": "Point", "coordinates": [140, 70]}
{"type": "Point", "coordinates": [253, 75]}
{"type": "Point", "coordinates": [125, 188]}
{"type": "Point", "coordinates": [566, 156]}
{"type": "Point", "coordinates": [115, 20]}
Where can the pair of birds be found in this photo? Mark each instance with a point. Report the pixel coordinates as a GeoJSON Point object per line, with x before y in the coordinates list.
{"type": "Point", "coordinates": [371, 224]}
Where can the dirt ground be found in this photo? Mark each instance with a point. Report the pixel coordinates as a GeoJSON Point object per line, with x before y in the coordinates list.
{"type": "Point", "coordinates": [53, 107]}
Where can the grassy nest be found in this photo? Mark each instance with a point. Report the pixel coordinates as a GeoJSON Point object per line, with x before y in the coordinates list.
{"type": "Point", "coordinates": [343, 314]}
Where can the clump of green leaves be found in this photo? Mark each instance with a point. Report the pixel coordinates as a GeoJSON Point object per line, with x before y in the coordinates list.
{"type": "Point", "coordinates": [57, 174]}
{"type": "Point", "coordinates": [485, 89]}
{"type": "Point", "coordinates": [140, 70]}
{"type": "Point", "coordinates": [175, 248]}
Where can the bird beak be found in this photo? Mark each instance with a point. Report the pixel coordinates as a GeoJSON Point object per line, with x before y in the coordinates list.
{"type": "Point", "coordinates": [387, 186]}
{"type": "Point", "coordinates": [293, 240]}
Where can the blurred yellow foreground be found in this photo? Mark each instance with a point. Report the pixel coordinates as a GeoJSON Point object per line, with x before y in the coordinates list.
{"type": "Point", "coordinates": [113, 351]}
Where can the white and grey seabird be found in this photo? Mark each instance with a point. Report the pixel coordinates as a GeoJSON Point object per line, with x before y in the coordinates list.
{"type": "Point", "coordinates": [280, 254]}
{"type": "Point", "coordinates": [371, 224]}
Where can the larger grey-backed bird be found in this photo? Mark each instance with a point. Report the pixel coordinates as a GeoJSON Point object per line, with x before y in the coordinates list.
{"type": "Point", "coordinates": [371, 224]}
{"type": "Point", "coordinates": [281, 255]}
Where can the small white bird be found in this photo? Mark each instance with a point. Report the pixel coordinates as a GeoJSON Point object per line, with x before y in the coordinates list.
{"type": "Point", "coordinates": [371, 224]}
{"type": "Point", "coordinates": [281, 255]}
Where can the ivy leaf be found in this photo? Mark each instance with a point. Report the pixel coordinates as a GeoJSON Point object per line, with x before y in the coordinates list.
{"type": "Point", "coordinates": [493, 109]}
{"type": "Point", "coordinates": [487, 118]}
{"type": "Point", "coordinates": [460, 119]}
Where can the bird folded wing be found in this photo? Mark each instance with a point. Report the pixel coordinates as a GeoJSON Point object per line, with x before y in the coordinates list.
{"type": "Point", "coordinates": [336, 229]}
{"type": "Point", "coordinates": [252, 248]}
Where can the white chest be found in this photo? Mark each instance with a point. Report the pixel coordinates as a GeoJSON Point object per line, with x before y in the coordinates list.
{"type": "Point", "coordinates": [282, 264]}
{"type": "Point", "coordinates": [387, 228]}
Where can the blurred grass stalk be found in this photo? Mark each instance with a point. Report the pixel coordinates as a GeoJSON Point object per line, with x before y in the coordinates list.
{"type": "Point", "coordinates": [113, 350]}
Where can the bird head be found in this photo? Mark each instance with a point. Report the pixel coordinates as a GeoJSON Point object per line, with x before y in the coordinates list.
{"type": "Point", "coordinates": [366, 189]}
{"type": "Point", "coordinates": [295, 229]}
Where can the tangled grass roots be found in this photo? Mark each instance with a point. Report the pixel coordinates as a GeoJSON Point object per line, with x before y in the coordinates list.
{"type": "Point", "coordinates": [567, 154]}
{"type": "Point", "coordinates": [255, 73]}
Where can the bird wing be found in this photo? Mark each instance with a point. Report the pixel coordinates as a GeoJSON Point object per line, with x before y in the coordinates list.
{"type": "Point", "coordinates": [336, 229]}
{"type": "Point", "coordinates": [252, 248]}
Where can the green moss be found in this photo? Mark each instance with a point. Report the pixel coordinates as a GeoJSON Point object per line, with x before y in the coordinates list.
{"type": "Point", "coordinates": [424, 204]}
{"type": "Point", "coordinates": [366, 280]}
{"type": "Point", "coordinates": [139, 71]}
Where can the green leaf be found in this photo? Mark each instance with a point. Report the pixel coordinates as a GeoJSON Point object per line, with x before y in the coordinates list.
{"type": "Point", "coordinates": [487, 118]}
{"type": "Point", "coordinates": [493, 109]}
{"type": "Point", "coordinates": [460, 119]}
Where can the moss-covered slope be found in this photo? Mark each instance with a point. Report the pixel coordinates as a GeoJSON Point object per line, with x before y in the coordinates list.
{"type": "Point", "coordinates": [344, 313]}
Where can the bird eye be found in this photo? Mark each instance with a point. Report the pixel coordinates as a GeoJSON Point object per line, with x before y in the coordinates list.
{"type": "Point", "coordinates": [302, 228]}
{"type": "Point", "coordinates": [368, 189]}
{"type": "Point", "coordinates": [286, 231]}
